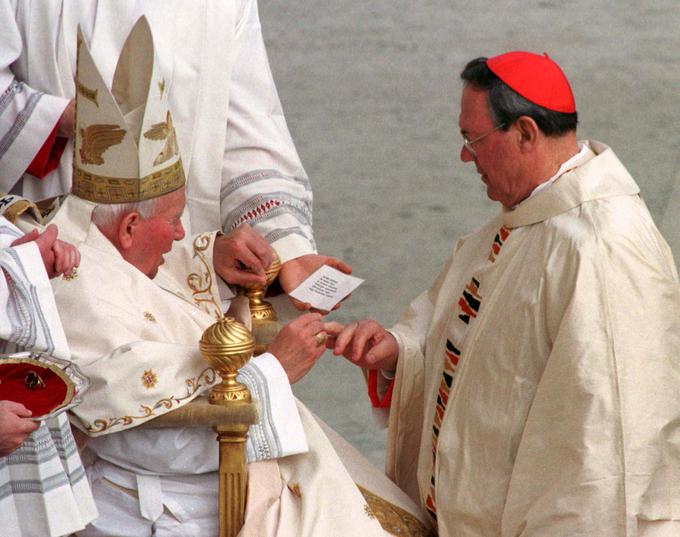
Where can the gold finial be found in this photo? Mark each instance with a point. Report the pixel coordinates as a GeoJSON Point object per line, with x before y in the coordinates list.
{"type": "Point", "coordinates": [264, 318]}
{"type": "Point", "coordinates": [227, 346]}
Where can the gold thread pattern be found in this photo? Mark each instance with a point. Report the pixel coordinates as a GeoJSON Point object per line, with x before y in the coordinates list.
{"type": "Point", "coordinates": [161, 86]}
{"type": "Point", "coordinates": [206, 378]}
{"type": "Point", "coordinates": [149, 379]}
{"type": "Point", "coordinates": [96, 139]}
{"type": "Point", "coordinates": [89, 94]}
{"type": "Point", "coordinates": [150, 317]}
{"type": "Point", "coordinates": [294, 489]}
{"type": "Point", "coordinates": [393, 519]}
{"type": "Point", "coordinates": [104, 189]}
{"type": "Point", "coordinates": [201, 282]}
{"type": "Point", "coordinates": [164, 131]}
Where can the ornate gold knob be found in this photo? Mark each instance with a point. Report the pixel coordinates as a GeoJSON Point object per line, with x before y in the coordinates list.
{"type": "Point", "coordinates": [227, 346]}
{"type": "Point", "coordinates": [264, 319]}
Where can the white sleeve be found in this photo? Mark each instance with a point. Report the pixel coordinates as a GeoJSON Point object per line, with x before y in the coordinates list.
{"type": "Point", "coordinates": [29, 318]}
{"type": "Point", "coordinates": [279, 431]}
{"type": "Point", "coordinates": [263, 181]}
{"type": "Point", "coordinates": [27, 116]}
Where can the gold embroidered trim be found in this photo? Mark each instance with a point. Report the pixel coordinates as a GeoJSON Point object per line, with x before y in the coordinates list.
{"type": "Point", "coordinates": [393, 519]}
{"type": "Point", "coordinates": [12, 207]}
{"type": "Point", "coordinates": [103, 189]}
{"type": "Point", "coordinates": [201, 283]}
{"type": "Point", "coordinates": [150, 317]}
{"type": "Point", "coordinates": [206, 378]}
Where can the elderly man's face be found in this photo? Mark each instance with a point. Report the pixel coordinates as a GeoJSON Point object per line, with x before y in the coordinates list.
{"type": "Point", "coordinates": [156, 234]}
{"type": "Point", "coordinates": [494, 154]}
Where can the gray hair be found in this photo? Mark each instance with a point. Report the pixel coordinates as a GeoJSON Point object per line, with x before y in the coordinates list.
{"type": "Point", "coordinates": [106, 216]}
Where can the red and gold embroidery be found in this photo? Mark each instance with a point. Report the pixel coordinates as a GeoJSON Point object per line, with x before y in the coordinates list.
{"type": "Point", "coordinates": [149, 379]}
{"type": "Point", "coordinates": [257, 212]}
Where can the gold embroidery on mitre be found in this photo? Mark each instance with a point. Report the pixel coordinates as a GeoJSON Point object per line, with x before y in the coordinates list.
{"type": "Point", "coordinates": [149, 317]}
{"type": "Point", "coordinates": [200, 283]}
{"type": "Point", "coordinates": [206, 378]}
{"type": "Point", "coordinates": [161, 86]}
{"type": "Point", "coordinates": [149, 379]}
{"type": "Point", "coordinates": [393, 519]}
{"type": "Point", "coordinates": [164, 131]}
{"type": "Point", "coordinates": [89, 94]}
{"type": "Point", "coordinates": [295, 489]}
{"type": "Point", "coordinates": [103, 189]}
{"type": "Point", "coordinates": [96, 139]}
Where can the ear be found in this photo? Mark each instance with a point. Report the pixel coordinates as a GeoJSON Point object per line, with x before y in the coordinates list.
{"type": "Point", "coordinates": [128, 227]}
{"type": "Point", "coordinates": [528, 133]}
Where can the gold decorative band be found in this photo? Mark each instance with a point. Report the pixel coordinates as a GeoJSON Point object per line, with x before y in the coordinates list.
{"type": "Point", "coordinates": [102, 189]}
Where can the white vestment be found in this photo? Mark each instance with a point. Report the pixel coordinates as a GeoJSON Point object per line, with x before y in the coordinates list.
{"type": "Point", "coordinates": [43, 488]}
{"type": "Point", "coordinates": [240, 161]}
{"type": "Point", "coordinates": [538, 380]}
{"type": "Point", "coordinates": [136, 339]}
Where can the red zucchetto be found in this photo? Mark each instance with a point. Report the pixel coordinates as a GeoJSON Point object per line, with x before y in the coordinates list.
{"type": "Point", "coordinates": [535, 77]}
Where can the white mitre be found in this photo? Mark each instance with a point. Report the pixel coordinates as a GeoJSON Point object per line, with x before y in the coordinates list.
{"type": "Point", "coordinates": [125, 144]}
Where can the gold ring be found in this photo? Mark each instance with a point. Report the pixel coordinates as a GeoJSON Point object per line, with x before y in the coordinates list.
{"type": "Point", "coordinates": [320, 338]}
{"type": "Point", "coordinates": [71, 275]}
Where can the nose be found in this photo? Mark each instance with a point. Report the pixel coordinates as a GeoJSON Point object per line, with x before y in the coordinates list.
{"type": "Point", "coordinates": [179, 231]}
{"type": "Point", "coordinates": [466, 155]}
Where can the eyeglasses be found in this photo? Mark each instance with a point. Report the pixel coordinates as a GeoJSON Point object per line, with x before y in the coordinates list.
{"type": "Point", "coordinates": [468, 143]}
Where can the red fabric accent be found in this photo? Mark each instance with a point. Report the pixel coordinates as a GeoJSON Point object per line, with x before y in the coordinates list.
{"type": "Point", "coordinates": [535, 77]}
{"type": "Point", "coordinates": [376, 402]}
{"type": "Point", "coordinates": [39, 401]}
{"type": "Point", "coordinates": [48, 156]}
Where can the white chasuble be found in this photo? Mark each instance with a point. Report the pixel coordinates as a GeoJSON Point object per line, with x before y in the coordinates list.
{"type": "Point", "coordinates": [538, 383]}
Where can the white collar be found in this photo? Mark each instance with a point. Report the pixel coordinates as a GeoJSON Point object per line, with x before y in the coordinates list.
{"type": "Point", "coordinates": [583, 149]}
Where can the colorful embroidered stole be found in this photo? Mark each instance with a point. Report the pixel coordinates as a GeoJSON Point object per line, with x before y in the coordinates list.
{"type": "Point", "coordinates": [468, 306]}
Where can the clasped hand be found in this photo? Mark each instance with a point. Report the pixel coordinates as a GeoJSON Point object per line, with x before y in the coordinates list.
{"type": "Point", "coordinates": [59, 257]}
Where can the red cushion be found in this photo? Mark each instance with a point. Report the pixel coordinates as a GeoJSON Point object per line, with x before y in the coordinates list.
{"type": "Point", "coordinates": [40, 401]}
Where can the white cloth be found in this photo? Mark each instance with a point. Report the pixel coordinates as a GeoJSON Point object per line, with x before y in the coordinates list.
{"type": "Point", "coordinates": [240, 161]}
{"type": "Point", "coordinates": [538, 382]}
{"type": "Point", "coordinates": [43, 488]}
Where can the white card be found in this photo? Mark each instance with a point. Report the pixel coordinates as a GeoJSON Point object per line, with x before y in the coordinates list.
{"type": "Point", "coordinates": [326, 287]}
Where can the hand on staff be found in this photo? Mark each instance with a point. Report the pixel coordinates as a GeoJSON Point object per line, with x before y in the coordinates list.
{"type": "Point", "coordinates": [14, 426]}
{"type": "Point", "coordinates": [295, 271]}
{"type": "Point", "coordinates": [241, 256]}
{"type": "Point", "coordinates": [299, 345]}
{"type": "Point", "coordinates": [59, 257]}
{"type": "Point", "coordinates": [365, 343]}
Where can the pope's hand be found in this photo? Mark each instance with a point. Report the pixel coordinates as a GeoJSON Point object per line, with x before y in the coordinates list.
{"type": "Point", "coordinates": [299, 345]}
{"type": "Point", "coordinates": [241, 257]}
{"type": "Point", "coordinates": [365, 343]}
{"type": "Point", "coordinates": [14, 426]}
{"type": "Point", "coordinates": [295, 271]}
{"type": "Point", "coordinates": [59, 257]}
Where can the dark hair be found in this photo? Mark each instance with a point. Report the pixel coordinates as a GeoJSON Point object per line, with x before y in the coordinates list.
{"type": "Point", "coordinates": [507, 105]}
